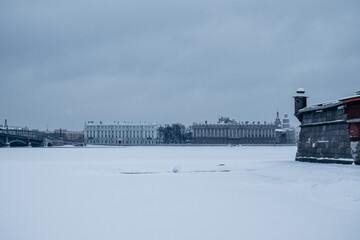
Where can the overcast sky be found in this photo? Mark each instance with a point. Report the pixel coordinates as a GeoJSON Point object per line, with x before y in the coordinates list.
{"type": "Point", "coordinates": [62, 62]}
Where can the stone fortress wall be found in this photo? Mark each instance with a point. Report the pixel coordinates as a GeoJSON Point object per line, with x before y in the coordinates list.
{"type": "Point", "coordinates": [325, 134]}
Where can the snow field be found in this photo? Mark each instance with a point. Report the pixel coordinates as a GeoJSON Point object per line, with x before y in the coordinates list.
{"type": "Point", "coordinates": [136, 193]}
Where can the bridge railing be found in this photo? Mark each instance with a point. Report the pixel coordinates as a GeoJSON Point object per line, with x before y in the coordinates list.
{"type": "Point", "coordinates": [22, 133]}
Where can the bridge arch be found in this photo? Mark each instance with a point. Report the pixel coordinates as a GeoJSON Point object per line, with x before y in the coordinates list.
{"type": "Point", "coordinates": [17, 143]}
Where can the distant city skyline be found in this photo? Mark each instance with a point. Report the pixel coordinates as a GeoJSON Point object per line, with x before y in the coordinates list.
{"type": "Point", "coordinates": [64, 62]}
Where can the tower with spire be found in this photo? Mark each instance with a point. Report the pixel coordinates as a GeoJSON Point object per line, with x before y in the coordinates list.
{"type": "Point", "coordinates": [277, 120]}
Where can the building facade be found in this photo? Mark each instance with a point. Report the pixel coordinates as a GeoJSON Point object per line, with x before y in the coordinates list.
{"type": "Point", "coordinates": [121, 133]}
{"type": "Point", "coordinates": [285, 134]}
{"type": "Point", "coordinates": [75, 137]}
{"type": "Point", "coordinates": [329, 131]}
{"type": "Point", "coordinates": [227, 131]}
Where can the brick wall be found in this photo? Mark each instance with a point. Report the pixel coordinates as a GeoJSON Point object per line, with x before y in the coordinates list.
{"type": "Point", "coordinates": [324, 136]}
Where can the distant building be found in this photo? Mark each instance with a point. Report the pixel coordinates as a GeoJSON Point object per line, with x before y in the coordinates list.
{"type": "Point", "coordinates": [121, 133]}
{"type": "Point", "coordinates": [67, 136]}
{"type": "Point", "coordinates": [329, 131]}
{"type": "Point", "coordinates": [285, 134]}
{"type": "Point", "coordinates": [229, 131]}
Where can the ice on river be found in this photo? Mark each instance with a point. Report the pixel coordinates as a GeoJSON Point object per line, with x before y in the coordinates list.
{"type": "Point", "coordinates": [174, 193]}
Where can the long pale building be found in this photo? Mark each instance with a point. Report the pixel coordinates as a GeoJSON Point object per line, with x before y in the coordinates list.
{"type": "Point", "coordinates": [121, 133]}
{"type": "Point", "coordinates": [227, 131]}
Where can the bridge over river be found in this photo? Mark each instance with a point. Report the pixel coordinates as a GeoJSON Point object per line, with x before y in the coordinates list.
{"type": "Point", "coordinates": [22, 137]}
{"type": "Point", "coordinates": [19, 137]}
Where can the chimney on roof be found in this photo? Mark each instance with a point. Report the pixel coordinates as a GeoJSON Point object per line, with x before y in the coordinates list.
{"type": "Point", "coordinates": [358, 93]}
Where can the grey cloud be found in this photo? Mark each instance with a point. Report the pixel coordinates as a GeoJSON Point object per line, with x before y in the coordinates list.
{"type": "Point", "coordinates": [170, 61]}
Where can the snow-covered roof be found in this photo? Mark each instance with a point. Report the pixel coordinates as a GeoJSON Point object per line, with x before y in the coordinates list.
{"type": "Point", "coordinates": [329, 104]}
{"type": "Point", "coordinates": [233, 123]}
{"type": "Point", "coordinates": [300, 90]}
{"type": "Point", "coordinates": [300, 95]}
{"type": "Point", "coordinates": [13, 128]}
{"type": "Point", "coordinates": [118, 123]}
{"type": "Point", "coordinates": [280, 130]}
{"type": "Point", "coordinates": [321, 106]}
{"type": "Point", "coordinates": [350, 97]}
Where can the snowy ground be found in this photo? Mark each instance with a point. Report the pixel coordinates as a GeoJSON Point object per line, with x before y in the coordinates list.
{"type": "Point", "coordinates": [174, 193]}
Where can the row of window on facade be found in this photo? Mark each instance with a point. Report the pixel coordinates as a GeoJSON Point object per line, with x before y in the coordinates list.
{"type": "Point", "coordinates": [120, 127]}
{"type": "Point", "coordinates": [121, 134]}
{"type": "Point", "coordinates": [119, 142]}
{"type": "Point", "coordinates": [234, 133]}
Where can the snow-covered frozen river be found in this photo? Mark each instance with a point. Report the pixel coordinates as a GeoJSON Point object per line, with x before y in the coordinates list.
{"type": "Point", "coordinates": [174, 193]}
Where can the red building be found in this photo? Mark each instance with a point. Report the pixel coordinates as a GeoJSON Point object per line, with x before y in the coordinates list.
{"type": "Point", "coordinates": [352, 111]}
